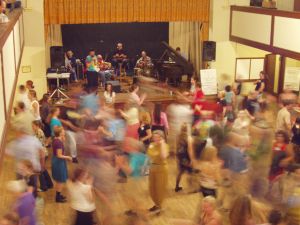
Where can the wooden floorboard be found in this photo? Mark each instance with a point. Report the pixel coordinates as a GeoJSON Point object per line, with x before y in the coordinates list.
{"type": "Point", "coordinates": [177, 205]}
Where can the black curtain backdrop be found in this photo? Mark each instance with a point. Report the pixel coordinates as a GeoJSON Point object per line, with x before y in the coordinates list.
{"type": "Point", "coordinates": [104, 38]}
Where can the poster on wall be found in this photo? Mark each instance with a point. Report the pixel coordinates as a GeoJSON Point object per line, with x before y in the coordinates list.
{"type": "Point", "coordinates": [292, 78]}
{"type": "Point", "coordinates": [242, 69]}
{"type": "Point", "coordinates": [208, 80]}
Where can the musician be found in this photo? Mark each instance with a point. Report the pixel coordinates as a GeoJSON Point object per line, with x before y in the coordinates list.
{"type": "Point", "coordinates": [91, 61]}
{"type": "Point", "coordinates": [144, 64]}
{"type": "Point", "coordinates": [70, 64]}
{"type": "Point", "coordinates": [178, 50]}
{"type": "Point", "coordinates": [104, 68]}
{"type": "Point", "coordinates": [92, 70]}
{"type": "Point", "coordinates": [119, 56]}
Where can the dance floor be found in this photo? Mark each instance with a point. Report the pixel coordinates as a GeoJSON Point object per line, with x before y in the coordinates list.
{"type": "Point", "coordinates": [182, 205]}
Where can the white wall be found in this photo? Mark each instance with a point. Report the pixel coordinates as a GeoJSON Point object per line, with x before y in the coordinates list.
{"type": "Point", "coordinates": [227, 51]}
{"type": "Point", "coordinates": [287, 5]}
{"type": "Point", "coordinates": [34, 50]}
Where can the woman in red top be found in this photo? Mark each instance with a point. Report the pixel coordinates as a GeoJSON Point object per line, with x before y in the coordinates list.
{"type": "Point", "coordinates": [279, 155]}
{"type": "Point", "coordinates": [198, 102]}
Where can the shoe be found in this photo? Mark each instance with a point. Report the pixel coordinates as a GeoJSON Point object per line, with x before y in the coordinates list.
{"type": "Point", "coordinates": [63, 197]}
{"type": "Point", "coordinates": [177, 189]}
{"type": "Point", "coordinates": [122, 180]}
{"type": "Point", "coordinates": [42, 189]}
{"type": "Point", "coordinates": [154, 208]}
{"type": "Point", "coordinates": [60, 199]}
{"type": "Point", "coordinates": [74, 160]}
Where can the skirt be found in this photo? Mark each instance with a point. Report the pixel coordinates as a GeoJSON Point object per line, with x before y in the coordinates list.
{"type": "Point", "coordinates": [158, 181]}
{"type": "Point", "coordinates": [59, 170]}
{"type": "Point", "coordinates": [84, 218]}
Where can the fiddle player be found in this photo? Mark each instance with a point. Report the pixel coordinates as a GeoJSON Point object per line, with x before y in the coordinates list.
{"type": "Point", "coordinates": [104, 68]}
{"type": "Point", "coordinates": [119, 57]}
{"type": "Point", "coordinates": [144, 63]}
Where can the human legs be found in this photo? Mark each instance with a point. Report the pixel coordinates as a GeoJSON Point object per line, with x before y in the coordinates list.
{"type": "Point", "coordinates": [102, 78]}
{"type": "Point", "coordinates": [59, 197]}
{"type": "Point", "coordinates": [71, 143]}
{"type": "Point", "coordinates": [178, 178]}
{"type": "Point", "coordinates": [158, 179]}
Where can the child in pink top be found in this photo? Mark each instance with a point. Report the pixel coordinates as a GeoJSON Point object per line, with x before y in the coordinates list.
{"type": "Point", "coordinates": [159, 119]}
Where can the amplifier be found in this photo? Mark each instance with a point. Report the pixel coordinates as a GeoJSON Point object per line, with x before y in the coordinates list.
{"type": "Point", "coordinates": [115, 85]}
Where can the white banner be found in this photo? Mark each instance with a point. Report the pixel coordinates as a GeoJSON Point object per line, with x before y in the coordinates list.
{"type": "Point", "coordinates": [208, 80]}
{"type": "Point", "coordinates": [292, 78]}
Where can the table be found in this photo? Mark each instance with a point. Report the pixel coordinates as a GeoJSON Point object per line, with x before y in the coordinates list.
{"type": "Point", "coordinates": [59, 76]}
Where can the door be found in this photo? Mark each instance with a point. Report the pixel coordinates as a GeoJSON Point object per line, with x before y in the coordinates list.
{"type": "Point", "coordinates": [270, 69]}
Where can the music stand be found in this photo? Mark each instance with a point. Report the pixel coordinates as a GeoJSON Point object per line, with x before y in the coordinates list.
{"type": "Point", "coordinates": [58, 89]}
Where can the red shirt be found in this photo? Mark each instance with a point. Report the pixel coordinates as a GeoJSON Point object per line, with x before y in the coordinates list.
{"type": "Point", "coordinates": [199, 95]}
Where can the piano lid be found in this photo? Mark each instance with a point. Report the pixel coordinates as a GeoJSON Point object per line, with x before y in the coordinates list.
{"type": "Point", "coordinates": [178, 58]}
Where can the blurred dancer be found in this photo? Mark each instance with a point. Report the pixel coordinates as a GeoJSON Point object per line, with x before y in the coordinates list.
{"type": "Point", "coordinates": [160, 120]}
{"type": "Point", "coordinates": [10, 219]}
{"type": "Point", "coordinates": [241, 212]}
{"type": "Point", "coordinates": [210, 171]}
{"type": "Point", "coordinates": [207, 215]}
{"type": "Point", "coordinates": [135, 166]}
{"type": "Point", "coordinates": [26, 147]}
{"type": "Point", "coordinates": [184, 154]}
{"type": "Point", "coordinates": [82, 199]}
{"type": "Point", "coordinates": [24, 117]}
{"type": "Point", "coordinates": [24, 204]}
{"type": "Point", "coordinates": [158, 152]}
{"type": "Point", "coordinates": [177, 112]}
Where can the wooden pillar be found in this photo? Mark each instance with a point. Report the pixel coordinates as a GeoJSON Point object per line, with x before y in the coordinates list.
{"type": "Point", "coordinates": [281, 74]}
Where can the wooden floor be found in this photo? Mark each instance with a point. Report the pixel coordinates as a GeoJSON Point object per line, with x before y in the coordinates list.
{"type": "Point", "coordinates": [177, 205]}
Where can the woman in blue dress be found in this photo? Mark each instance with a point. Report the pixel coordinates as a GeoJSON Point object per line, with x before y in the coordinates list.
{"type": "Point", "coordinates": [59, 164]}
{"type": "Point", "coordinates": [54, 121]}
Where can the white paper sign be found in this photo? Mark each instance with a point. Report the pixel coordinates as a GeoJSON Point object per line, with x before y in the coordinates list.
{"type": "Point", "coordinates": [208, 80]}
{"type": "Point", "coordinates": [292, 78]}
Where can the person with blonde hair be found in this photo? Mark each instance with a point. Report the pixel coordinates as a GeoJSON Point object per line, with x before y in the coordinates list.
{"type": "Point", "coordinates": [207, 214]}
{"type": "Point", "coordinates": [144, 130]}
{"type": "Point", "coordinates": [158, 152]}
{"type": "Point", "coordinates": [241, 211]}
{"type": "Point", "coordinates": [210, 171]}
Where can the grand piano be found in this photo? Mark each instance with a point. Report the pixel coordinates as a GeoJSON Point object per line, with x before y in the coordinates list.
{"type": "Point", "coordinates": [171, 66]}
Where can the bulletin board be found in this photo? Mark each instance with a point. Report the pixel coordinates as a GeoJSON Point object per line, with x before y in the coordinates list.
{"type": "Point", "coordinates": [248, 69]}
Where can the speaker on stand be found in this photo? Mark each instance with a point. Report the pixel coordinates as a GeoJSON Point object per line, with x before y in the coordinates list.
{"type": "Point", "coordinates": [57, 58]}
{"type": "Point", "coordinates": [209, 51]}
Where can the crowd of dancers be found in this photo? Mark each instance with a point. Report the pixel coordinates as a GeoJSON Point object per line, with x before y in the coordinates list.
{"type": "Point", "coordinates": [242, 172]}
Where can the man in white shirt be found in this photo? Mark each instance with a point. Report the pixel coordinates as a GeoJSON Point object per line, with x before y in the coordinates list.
{"type": "Point", "coordinates": [283, 120]}
{"type": "Point", "coordinates": [22, 96]}
{"type": "Point", "coordinates": [25, 147]}
{"type": "Point", "coordinates": [23, 117]}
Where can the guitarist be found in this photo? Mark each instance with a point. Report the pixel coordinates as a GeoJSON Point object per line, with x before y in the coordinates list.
{"type": "Point", "coordinates": [119, 56]}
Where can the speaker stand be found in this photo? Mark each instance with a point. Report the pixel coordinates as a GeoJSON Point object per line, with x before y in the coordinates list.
{"type": "Point", "coordinates": [59, 92]}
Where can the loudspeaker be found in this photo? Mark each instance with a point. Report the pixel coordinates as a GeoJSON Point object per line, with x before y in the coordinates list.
{"type": "Point", "coordinates": [57, 57]}
{"type": "Point", "coordinates": [209, 51]}
{"type": "Point", "coordinates": [257, 3]}
{"type": "Point", "coordinates": [115, 85]}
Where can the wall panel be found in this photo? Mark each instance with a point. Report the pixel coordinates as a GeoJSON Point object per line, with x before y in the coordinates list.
{"type": "Point", "coordinates": [251, 26]}
{"type": "Point", "coordinates": [287, 33]}
{"type": "Point", "coordinates": [9, 68]}
{"type": "Point", "coordinates": [2, 104]}
{"type": "Point", "coordinates": [17, 42]}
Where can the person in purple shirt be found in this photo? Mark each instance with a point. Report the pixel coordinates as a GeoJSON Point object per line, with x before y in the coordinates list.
{"type": "Point", "coordinates": [24, 205]}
